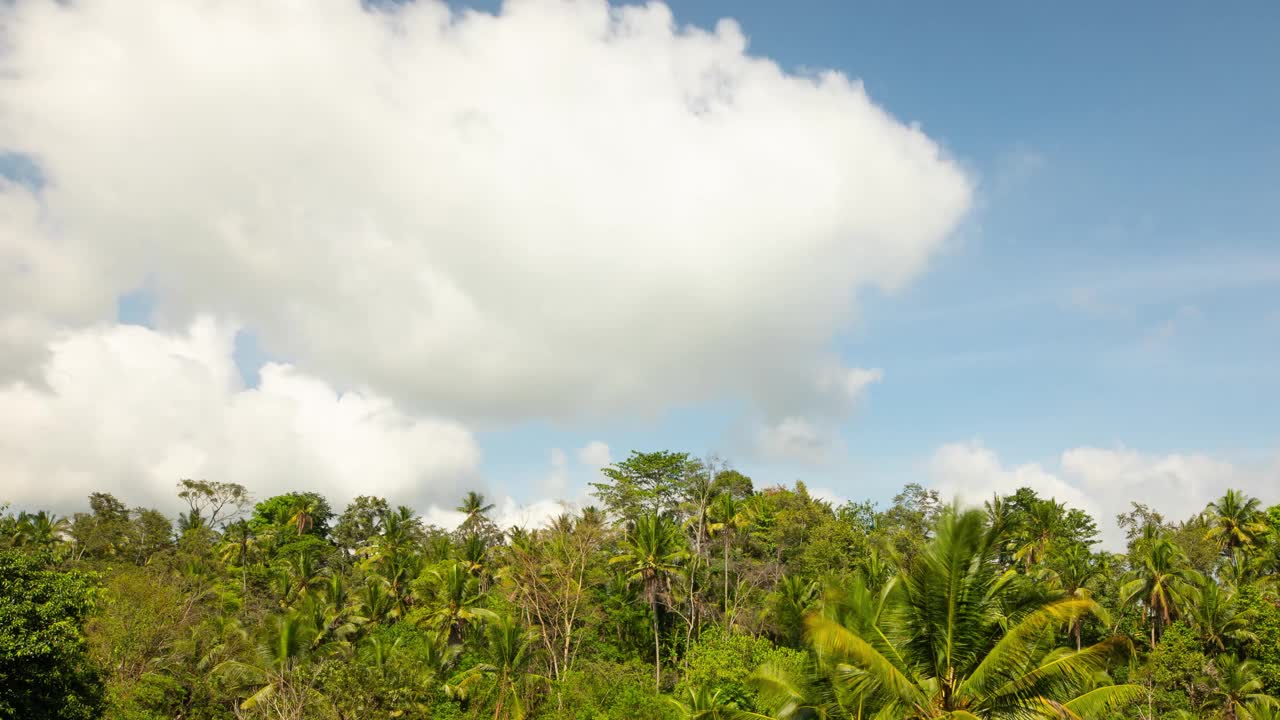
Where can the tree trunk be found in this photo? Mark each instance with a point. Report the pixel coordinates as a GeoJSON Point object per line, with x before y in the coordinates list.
{"type": "Point", "coordinates": [657, 647]}
{"type": "Point", "coordinates": [726, 579]}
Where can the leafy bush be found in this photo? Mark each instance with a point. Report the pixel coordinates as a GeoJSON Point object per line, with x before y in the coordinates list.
{"type": "Point", "coordinates": [601, 690]}
{"type": "Point", "coordinates": [723, 662]}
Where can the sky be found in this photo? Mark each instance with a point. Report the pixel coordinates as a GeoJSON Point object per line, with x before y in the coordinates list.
{"type": "Point", "coordinates": [410, 249]}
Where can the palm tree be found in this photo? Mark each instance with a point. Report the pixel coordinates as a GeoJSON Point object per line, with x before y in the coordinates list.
{"type": "Point", "coordinates": [999, 512]}
{"type": "Point", "coordinates": [276, 677]}
{"type": "Point", "coordinates": [700, 704]}
{"type": "Point", "coordinates": [1037, 530]}
{"type": "Point", "coordinates": [457, 601]}
{"type": "Point", "coordinates": [1216, 618]}
{"type": "Point", "coordinates": [384, 659]}
{"type": "Point", "coordinates": [653, 551]}
{"type": "Point", "coordinates": [40, 529]}
{"type": "Point", "coordinates": [304, 514]}
{"type": "Point", "coordinates": [701, 493]}
{"type": "Point", "coordinates": [791, 601]}
{"type": "Point", "coordinates": [788, 697]}
{"type": "Point", "coordinates": [438, 661]}
{"type": "Point", "coordinates": [1236, 521]}
{"type": "Point", "coordinates": [299, 571]}
{"type": "Point", "coordinates": [954, 637]}
{"type": "Point", "coordinates": [238, 542]}
{"type": "Point", "coordinates": [507, 655]}
{"type": "Point", "coordinates": [475, 509]}
{"type": "Point", "coordinates": [1235, 688]}
{"type": "Point", "coordinates": [1162, 583]}
{"type": "Point", "coordinates": [1261, 710]}
{"type": "Point", "coordinates": [728, 517]}
{"type": "Point", "coordinates": [473, 553]}
{"type": "Point", "coordinates": [1073, 571]}
{"type": "Point", "coordinates": [376, 603]}
{"type": "Point", "coordinates": [330, 612]}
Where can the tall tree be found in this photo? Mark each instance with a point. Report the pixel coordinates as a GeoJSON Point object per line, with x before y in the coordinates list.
{"type": "Point", "coordinates": [507, 654]}
{"type": "Point", "coordinates": [550, 578]}
{"type": "Point", "coordinates": [360, 523]}
{"type": "Point", "coordinates": [451, 598]}
{"type": "Point", "coordinates": [729, 517]}
{"type": "Point", "coordinates": [217, 502]}
{"type": "Point", "coordinates": [1074, 569]}
{"type": "Point", "coordinates": [1236, 521]}
{"type": "Point", "coordinates": [646, 484]}
{"type": "Point", "coordinates": [1217, 617]}
{"type": "Point", "coordinates": [1161, 582]}
{"type": "Point", "coordinates": [653, 549]}
{"type": "Point", "coordinates": [293, 514]}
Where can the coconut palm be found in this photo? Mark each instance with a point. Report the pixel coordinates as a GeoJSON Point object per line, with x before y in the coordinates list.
{"type": "Point", "coordinates": [453, 600]}
{"type": "Point", "coordinates": [1162, 582]}
{"type": "Point", "coordinates": [728, 517]}
{"type": "Point", "coordinates": [394, 556]}
{"type": "Point", "coordinates": [375, 600]}
{"type": "Point", "coordinates": [276, 678]}
{"type": "Point", "coordinates": [1234, 688]}
{"type": "Point", "coordinates": [1036, 530]}
{"type": "Point", "coordinates": [297, 572]}
{"type": "Point", "coordinates": [40, 529]}
{"type": "Point", "coordinates": [954, 637]}
{"type": "Point", "coordinates": [476, 511]}
{"type": "Point", "coordinates": [652, 551]}
{"type": "Point", "coordinates": [304, 514]}
{"type": "Point", "coordinates": [1261, 711]}
{"type": "Point", "coordinates": [507, 655]}
{"type": "Point", "coordinates": [791, 601]}
{"type": "Point", "coordinates": [1235, 521]}
{"type": "Point", "coordinates": [701, 704]}
{"type": "Point", "coordinates": [436, 662]}
{"type": "Point", "coordinates": [473, 553]}
{"type": "Point", "coordinates": [329, 612]}
{"type": "Point", "coordinates": [238, 544]}
{"type": "Point", "coordinates": [1217, 618]}
{"type": "Point", "coordinates": [1074, 571]}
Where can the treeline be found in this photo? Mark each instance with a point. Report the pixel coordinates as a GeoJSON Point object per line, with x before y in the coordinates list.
{"type": "Point", "coordinates": [686, 593]}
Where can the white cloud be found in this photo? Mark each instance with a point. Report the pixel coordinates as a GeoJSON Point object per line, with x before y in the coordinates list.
{"type": "Point", "coordinates": [557, 481]}
{"type": "Point", "coordinates": [594, 455]}
{"type": "Point", "coordinates": [1102, 481]}
{"type": "Point", "coordinates": [848, 384]}
{"type": "Point", "coordinates": [130, 411]}
{"type": "Point", "coordinates": [507, 513]}
{"type": "Point", "coordinates": [828, 495]}
{"type": "Point", "coordinates": [814, 438]}
{"type": "Point", "coordinates": [795, 438]}
{"type": "Point", "coordinates": [554, 212]}
{"type": "Point", "coordinates": [536, 514]}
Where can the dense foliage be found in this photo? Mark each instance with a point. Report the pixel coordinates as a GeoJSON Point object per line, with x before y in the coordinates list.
{"type": "Point", "coordinates": [687, 593]}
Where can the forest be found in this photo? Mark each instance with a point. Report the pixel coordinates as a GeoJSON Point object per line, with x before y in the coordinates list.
{"type": "Point", "coordinates": [686, 591]}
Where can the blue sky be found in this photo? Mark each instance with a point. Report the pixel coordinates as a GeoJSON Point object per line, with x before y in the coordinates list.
{"type": "Point", "coordinates": [1105, 314]}
{"type": "Point", "coordinates": [1118, 283]}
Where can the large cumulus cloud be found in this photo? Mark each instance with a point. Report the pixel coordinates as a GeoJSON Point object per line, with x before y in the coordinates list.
{"type": "Point", "coordinates": [129, 410]}
{"type": "Point", "coordinates": [562, 210]}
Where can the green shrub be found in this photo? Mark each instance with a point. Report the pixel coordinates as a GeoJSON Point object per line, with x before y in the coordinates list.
{"type": "Point", "coordinates": [720, 662]}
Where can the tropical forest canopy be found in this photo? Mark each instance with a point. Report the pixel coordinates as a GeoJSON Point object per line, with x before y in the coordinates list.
{"type": "Point", "coordinates": [686, 592]}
